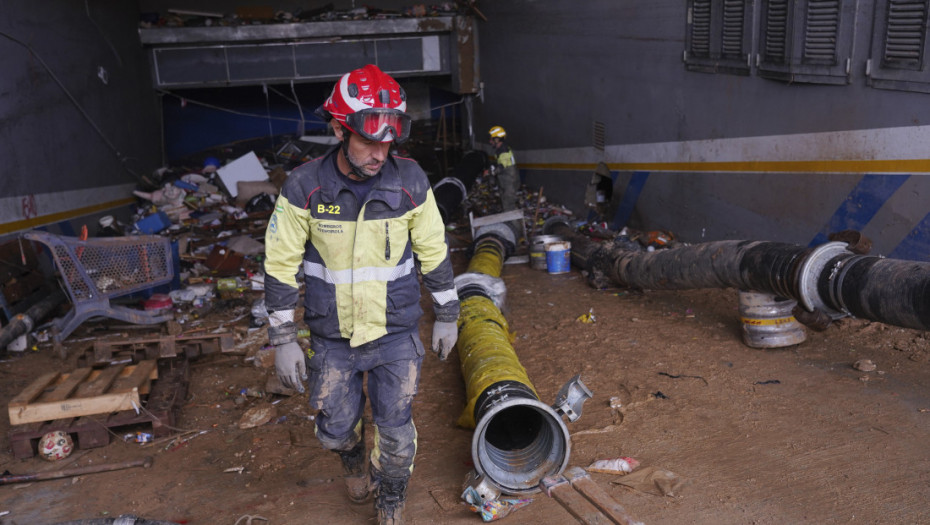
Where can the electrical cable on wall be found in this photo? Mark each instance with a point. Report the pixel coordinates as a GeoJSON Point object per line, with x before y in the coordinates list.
{"type": "Point", "coordinates": [105, 39]}
{"type": "Point", "coordinates": [301, 128]}
{"type": "Point", "coordinates": [270, 127]}
{"type": "Point", "coordinates": [122, 159]}
{"type": "Point", "coordinates": [226, 110]}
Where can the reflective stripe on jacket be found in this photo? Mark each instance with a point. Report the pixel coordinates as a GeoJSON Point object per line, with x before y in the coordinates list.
{"type": "Point", "coordinates": [358, 260]}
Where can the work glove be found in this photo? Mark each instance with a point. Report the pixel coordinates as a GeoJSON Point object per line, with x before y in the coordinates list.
{"type": "Point", "coordinates": [444, 336]}
{"type": "Point", "coordinates": [290, 364]}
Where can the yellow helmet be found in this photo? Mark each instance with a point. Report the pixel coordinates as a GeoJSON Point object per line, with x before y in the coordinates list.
{"type": "Point", "coordinates": [498, 132]}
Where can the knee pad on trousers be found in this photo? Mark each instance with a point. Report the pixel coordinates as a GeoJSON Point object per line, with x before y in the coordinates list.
{"type": "Point", "coordinates": [394, 450]}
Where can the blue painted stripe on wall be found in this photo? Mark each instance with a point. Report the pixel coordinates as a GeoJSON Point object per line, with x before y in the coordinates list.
{"type": "Point", "coordinates": [630, 196]}
{"type": "Point", "coordinates": [916, 246]}
{"type": "Point", "coordinates": [861, 205]}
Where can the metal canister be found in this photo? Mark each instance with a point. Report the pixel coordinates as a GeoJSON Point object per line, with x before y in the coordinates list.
{"type": "Point", "coordinates": [768, 322]}
{"type": "Point", "coordinates": [538, 250]}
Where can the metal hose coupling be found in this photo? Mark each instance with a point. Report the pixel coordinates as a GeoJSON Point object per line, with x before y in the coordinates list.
{"type": "Point", "coordinates": [519, 440]}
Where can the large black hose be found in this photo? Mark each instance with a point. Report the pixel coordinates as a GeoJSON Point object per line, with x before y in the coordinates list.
{"type": "Point", "coordinates": [828, 279]}
{"type": "Point", "coordinates": [22, 323]}
{"type": "Point", "coordinates": [451, 191]}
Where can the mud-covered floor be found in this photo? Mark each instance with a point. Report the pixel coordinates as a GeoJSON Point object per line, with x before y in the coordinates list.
{"type": "Point", "coordinates": [795, 435]}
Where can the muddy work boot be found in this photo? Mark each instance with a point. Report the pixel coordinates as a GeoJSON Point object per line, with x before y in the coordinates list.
{"type": "Point", "coordinates": [392, 492]}
{"type": "Point", "coordinates": [356, 477]}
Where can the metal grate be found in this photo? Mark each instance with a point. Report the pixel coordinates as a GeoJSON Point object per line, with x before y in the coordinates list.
{"type": "Point", "coordinates": [600, 136]}
{"type": "Point", "coordinates": [905, 33]}
{"type": "Point", "coordinates": [734, 14]}
{"type": "Point", "coordinates": [700, 28]}
{"type": "Point", "coordinates": [776, 31]}
{"type": "Point", "coordinates": [821, 31]}
{"type": "Point", "coordinates": [112, 267]}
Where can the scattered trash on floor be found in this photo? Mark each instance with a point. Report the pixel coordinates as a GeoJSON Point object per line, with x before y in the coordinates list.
{"type": "Point", "coordinates": [652, 480]}
{"type": "Point", "coordinates": [621, 465]}
{"type": "Point", "coordinates": [492, 510]}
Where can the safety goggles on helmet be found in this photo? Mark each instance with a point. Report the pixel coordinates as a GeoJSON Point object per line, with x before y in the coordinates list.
{"type": "Point", "coordinates": [380, 124]}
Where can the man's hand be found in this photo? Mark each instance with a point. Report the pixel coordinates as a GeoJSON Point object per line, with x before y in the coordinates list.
{"type": "Point", "coordinates": [444, 337]}
{"type": "Point", "coordinates": [290, 364]}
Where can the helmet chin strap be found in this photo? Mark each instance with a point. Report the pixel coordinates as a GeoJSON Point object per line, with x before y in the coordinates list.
{"type": "Point", "coordinates": [354, 169]}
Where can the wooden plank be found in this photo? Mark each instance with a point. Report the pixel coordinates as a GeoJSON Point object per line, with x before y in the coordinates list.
{"type": "Point", "coordinates": [583, 483]}
{"type": "Point", "coordinates": [137, 377]}
{"type": "Point", "coordinates": [559, 489]}
{"type": "Point", "coordinates": [75, 407]}
{"type": "Point", "coordinates": [65, 388]}
{"type": "Point", "coordinates": [34, 390]}
{"type": "Point", "coordinates": [99, 382]}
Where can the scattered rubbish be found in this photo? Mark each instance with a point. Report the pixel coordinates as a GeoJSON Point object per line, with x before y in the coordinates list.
{"type": "Point", "coordinates": [616, 403]}
{"type": "Point", "coordinates": [621, 465]}
{"type": "Point", "coordinates": [666, 374]}
{"type": "Point", "coordinates": [183, 440]}
{"type": "Point", "coordinates": [237, 470]}
{"type": "Point", "coordinates": [653, 480]}
{"type": "Point", "coordinates": [78, 471]}
{"type": "Point", "coordinates": [139, 437]}
{"type": "Point", "coordinates": [587, 318]}
{"type": "Point", "coordinates": [257, 416]}
{"type": "Point", "coordinates": [492, 509]}
{"type": "Point", "coordinates": [251, 392]}
{"type": "Point", "coordinates": [245, 168]}
{"type": "Point", "coordinates": [659, 395]}
{"type": "Point", "coordinates": [56, 445]}
{"type": "Point", "coordinates": [864, 365]}
{"type": "Point", "coordinates": [247, 519]}
{"type": "Point", "coordinates": [159, 302]}
{"type": "Point", "coordinates": [769, 382]}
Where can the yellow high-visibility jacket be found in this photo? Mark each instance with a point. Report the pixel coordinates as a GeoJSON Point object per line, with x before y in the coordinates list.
{"type": "Point", "coordinates": [358, 258]}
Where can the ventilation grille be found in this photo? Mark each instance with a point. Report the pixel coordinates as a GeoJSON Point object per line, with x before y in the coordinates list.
{"type": "Point", "coordinates": [600, 136]}
{"type": "Point", "coordinates": [700, 29]}
{"type": "Point", "coordinates": [734, 13]}
{"type": "Point", "coordinates": [822, 29]}
{"type": "Point", "coordinates": [776, 31]}
{"type": "Point", "coordinates": [905, 33]}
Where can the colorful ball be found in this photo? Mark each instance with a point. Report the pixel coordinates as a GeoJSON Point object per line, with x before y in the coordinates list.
{"type": "Point", "coordinates": [56, 445]}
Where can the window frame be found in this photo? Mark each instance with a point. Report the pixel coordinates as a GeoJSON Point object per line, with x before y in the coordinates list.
{"type": "Point", "coordinates": [797, 65]}
{"type": "Point", "coordinates": [716, 60]}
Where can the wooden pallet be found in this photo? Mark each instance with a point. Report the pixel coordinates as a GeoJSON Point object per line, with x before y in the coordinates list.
{"type": "Point", "coordinates": [89, 403]}
{"type": "Point", "coordinates": [83, 392]}
{"type": "Point", "coordinates": [156, 347]}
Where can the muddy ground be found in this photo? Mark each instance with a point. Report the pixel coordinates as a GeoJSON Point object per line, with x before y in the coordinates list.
{"type": "Point", "coordinates": [794, 435]}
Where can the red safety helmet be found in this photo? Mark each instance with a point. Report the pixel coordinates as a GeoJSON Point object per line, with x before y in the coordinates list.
{"type": "Point", "coordinates": [371, 104]}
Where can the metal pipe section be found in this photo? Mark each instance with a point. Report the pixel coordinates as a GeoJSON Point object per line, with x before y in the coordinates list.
{"type": "Point", "coordinates": [828, 281]}
{"type": "Point", "coordinates": [24, 322]}
{"type": "Point", "coordinates": [518, 439]}
{"type": "Point", "coordinates": [451, 191]}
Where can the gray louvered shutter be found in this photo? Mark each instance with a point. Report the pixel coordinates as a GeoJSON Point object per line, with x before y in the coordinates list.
{"type": "Point", "coordinates": [700, 28]}
{"type": "Point", "coordinates": [734, 21]}
{"type": "Point", "coordinates": [904, 33]}
{"type": "Point", "coordinates": [821, 31]}
{"type": "Point", "coordinates": [777, 19]}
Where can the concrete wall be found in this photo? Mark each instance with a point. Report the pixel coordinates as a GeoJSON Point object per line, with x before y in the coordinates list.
{"type": "Point", "coordinates": [78, 118]}
{"type": "Point", "coordinates": [707, 156]}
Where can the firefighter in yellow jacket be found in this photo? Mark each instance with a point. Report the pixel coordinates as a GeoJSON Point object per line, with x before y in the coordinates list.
{"type": "Point", "coordinates": [508, 180]}
{"type": "Point", "coordinates": [361, 223]}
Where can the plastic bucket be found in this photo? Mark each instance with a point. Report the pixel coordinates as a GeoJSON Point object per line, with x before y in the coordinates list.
{"type": "Point", "coordinates": [538, 250]}
{"type": "Point", "coordinates": [559, 257]}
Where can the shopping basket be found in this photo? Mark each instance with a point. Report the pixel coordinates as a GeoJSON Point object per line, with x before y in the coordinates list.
{"type": "Point", "coordinates": [96, 270]}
